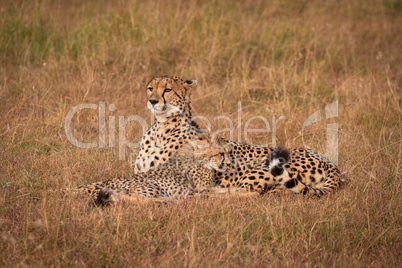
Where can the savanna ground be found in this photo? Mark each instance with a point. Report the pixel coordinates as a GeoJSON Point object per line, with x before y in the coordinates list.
{"type": "Point", "coordinates": [288, 58]}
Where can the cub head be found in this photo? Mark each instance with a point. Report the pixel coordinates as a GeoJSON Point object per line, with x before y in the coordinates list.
{"type": "Point", "coordinates": [168, 96]}
{"type": "Point", "coordinates": [216, 158]}
{"type": "Point", "coordinates": [206, 153]}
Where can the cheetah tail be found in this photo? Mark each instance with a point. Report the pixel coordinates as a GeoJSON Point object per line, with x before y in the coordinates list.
{"type": "Point", "coordinates": [276, 160]}
{"type": "Point", "coordinates": [105, 197]}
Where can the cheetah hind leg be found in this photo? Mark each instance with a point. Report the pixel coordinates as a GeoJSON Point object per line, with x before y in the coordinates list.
{"type": "Point", "coordinates": [296, 182]}
{"type": "Point", "coordinates": [333, 181]}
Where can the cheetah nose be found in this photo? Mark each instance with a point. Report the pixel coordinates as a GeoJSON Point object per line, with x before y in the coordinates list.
{"type": "Point", "coordinates": [153, 101]}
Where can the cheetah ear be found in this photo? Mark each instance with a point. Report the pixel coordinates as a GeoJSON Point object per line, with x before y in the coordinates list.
{"type": "Point", "coordinates": [190, 84]}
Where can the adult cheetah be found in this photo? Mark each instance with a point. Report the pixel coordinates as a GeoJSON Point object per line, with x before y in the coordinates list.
{"type": "Point", "coordinates": [169, 98]}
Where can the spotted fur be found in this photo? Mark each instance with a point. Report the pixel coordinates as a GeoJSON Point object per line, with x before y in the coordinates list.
{"type": "Point", "coordinates": [189, 171]}
{"type": "Point", "coordinates": [169, 101]}
{"type": "Point", "coordinates": [303, 171]}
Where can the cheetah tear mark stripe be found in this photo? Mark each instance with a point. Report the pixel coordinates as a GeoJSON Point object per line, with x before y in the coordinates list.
{"type": "Point", "coordinates": [175, 93]}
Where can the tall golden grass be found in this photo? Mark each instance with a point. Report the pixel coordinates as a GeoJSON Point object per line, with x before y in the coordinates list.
{"type": "Point", "coordinates": [277, 57]}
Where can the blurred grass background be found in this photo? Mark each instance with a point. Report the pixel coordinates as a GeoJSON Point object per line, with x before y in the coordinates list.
{"type": "Point", "coordinates": [278, 58]}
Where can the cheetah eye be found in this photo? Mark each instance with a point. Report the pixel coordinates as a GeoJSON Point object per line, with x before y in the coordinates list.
{"type": "Point", "coordinates": [150, 88]}
{"type": "Point", "coordinates": [168, 89]}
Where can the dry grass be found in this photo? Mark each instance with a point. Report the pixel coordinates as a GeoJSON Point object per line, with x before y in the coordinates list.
{"type": "Point", "coordinates": [278, 58]}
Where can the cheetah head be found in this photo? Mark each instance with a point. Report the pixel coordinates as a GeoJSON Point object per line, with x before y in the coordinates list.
{"type": "Point", "coordinates": [217, 155]}
{"type": "Point", "coordinates": [211, 155]}
{"type": "Point", "coordinates": [218, 160]}
{"type": "Point", "coordinates": [168, 96]}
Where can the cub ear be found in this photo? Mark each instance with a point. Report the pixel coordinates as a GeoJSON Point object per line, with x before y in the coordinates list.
{"type": "Point", "coordinates": [190, 84]}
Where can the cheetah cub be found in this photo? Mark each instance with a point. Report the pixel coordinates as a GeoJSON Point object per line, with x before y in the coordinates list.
{"type": "Point", "coordinates": [190, 171]}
